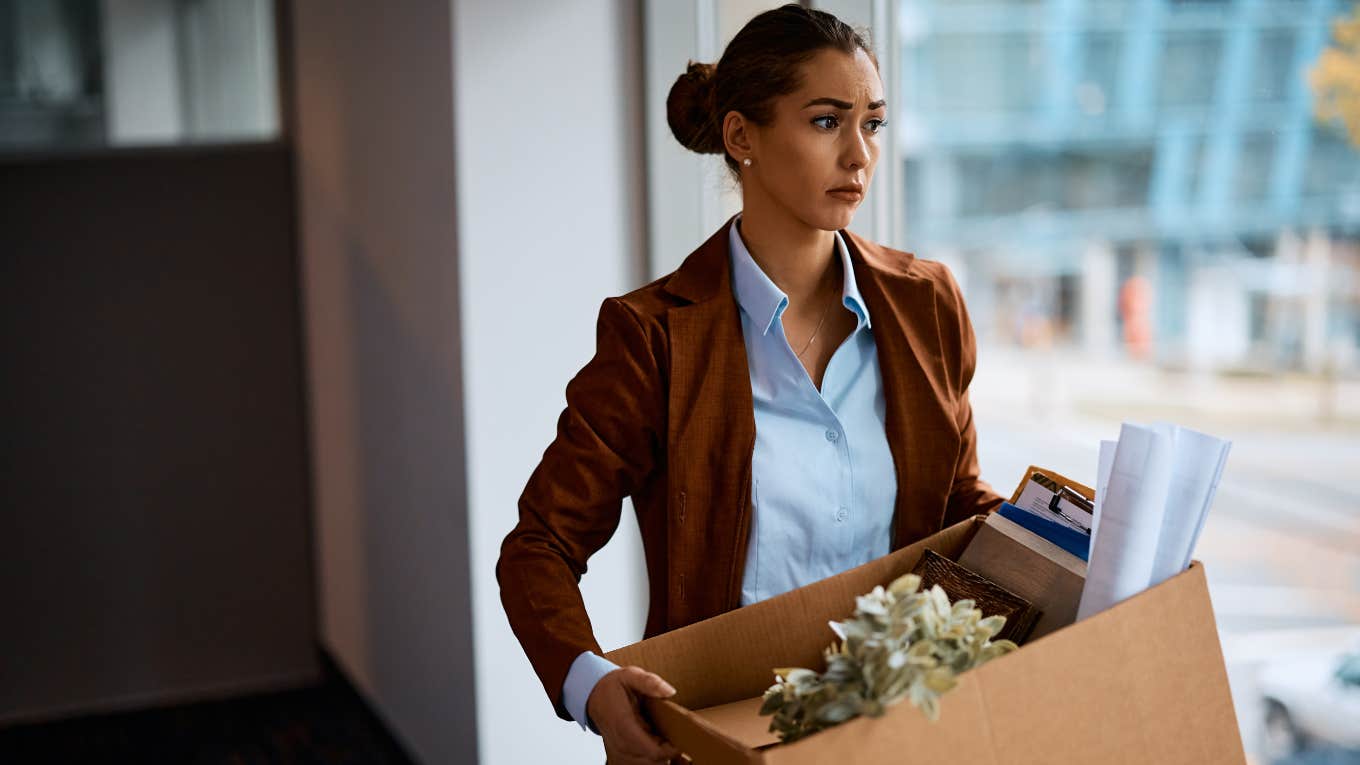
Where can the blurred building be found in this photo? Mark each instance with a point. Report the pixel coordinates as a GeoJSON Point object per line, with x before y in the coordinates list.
{"type": "Point", "coordinates": [1143, 175]}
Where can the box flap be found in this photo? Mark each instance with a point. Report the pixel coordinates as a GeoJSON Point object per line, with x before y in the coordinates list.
{"type": "Point", "coordinates": [703, 742]}
{"type": "Point", "coordinates": [731, 656]}
{"type": "Point", "coordinates": [1143, 681]}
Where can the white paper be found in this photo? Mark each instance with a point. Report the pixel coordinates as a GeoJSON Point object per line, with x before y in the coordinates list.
{"type": "Point", "coordinates": [1106, 463]}
{"type": "Point", "coordinates": [1208, 502]}
{"type": "Point", "coordinates": [1198, 464]}
{"type": "Point", "coordinates": [1131, 516]}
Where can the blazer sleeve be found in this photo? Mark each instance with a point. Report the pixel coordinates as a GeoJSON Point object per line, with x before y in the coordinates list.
{"type": "Point", "coordinates": [605, 447]}
{"type": "Point", "coordinates": [969, 495]}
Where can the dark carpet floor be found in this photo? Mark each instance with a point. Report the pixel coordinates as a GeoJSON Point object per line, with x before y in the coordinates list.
{"type": "Point", "coordinates": [323, 724]}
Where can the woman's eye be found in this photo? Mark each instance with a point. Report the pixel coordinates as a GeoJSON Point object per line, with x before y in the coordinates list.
{"type": "Point", "coordinates": [877, 125]}
{"type": "Point", "coordinates": [817, 121]}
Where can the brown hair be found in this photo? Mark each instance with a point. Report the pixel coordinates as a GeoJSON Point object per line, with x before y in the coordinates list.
{"type": "Point", "coordinates": [761, 63]}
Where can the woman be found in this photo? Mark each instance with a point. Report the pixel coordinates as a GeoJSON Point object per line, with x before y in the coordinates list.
{"type": "Point", "coordinates": [789, 403]}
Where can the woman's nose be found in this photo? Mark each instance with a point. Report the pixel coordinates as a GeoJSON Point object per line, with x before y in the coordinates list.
{"type": "Point", "coordinates": [857, 155]}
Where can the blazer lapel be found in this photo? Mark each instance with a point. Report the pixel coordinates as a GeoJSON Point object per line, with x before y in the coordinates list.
{"type": "Point", "coordinates": [922, 434]}
{"type": "Point", "coordinates": [710, 437]}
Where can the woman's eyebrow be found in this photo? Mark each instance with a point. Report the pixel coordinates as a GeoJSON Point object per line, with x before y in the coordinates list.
{"type": "Point", "coordinates": [839, 104]}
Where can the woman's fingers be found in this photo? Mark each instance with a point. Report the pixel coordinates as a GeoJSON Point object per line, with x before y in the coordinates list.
{"type": "Point", "coordinates": [647, 683]}
{"type": "Point", "coordinates": [635, 740]}
{"type": "Point", "coordinates": [644, 683]}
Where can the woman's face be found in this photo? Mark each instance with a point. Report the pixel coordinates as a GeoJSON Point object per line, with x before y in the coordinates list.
{"type": "Point", "coordinates": [823, 138]}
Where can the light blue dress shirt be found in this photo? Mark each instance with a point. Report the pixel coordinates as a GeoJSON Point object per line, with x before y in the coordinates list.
{"type": "Point", "coordinates": [822, 479]}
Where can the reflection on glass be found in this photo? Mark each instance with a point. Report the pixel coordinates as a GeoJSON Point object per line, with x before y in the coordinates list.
{"type": "Point", "coordinates": [50, 84]}
{"type": "Point", "coordinates": [81, 74]}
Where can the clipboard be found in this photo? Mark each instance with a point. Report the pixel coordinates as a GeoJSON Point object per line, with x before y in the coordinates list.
{"type": "Point", "coordinates": [1053, 475]}
{"type": "Point", "coordinates": [1068, 539]}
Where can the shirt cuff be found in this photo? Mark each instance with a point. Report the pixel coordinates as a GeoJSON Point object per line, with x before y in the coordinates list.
{"type": "Point", "coordinates": [585, 672]}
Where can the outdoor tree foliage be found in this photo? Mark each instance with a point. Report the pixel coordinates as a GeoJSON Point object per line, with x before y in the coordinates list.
{"type": "Point", "coordinates": [1335, 78]}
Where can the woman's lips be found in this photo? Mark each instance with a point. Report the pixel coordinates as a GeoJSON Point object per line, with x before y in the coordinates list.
{"type": "Point", "coordinates": [845, 195]}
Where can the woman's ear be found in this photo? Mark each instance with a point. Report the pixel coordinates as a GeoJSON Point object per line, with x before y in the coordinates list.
{"type": "Point", "coordinates": [738, 135]}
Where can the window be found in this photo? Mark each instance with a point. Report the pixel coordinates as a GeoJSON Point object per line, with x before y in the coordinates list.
{"type": "Point", "coordinates": [1332, 163]}
{"type": "Point", "coordinates": [51, 84]}
{"type": "Point", "coordinates": [1074, 178]}
{"type": "Point", "coordinates": [991, 73]}
{"type": "Point", "coordinates": [1274, 60]}
{"type": "Point", "coordinates": [1128, 255]}
{"type": "Point", "coordinates": [1189, 68]}
{"type": "Point", "coordinates": [1255, 158]}
{"type": "Point", "coordinates": [1101, 72]}
{"type": "Point", "coordinates": [80, 74]}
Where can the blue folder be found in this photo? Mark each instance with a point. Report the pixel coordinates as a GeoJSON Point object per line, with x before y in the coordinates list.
{"type": "Point", "coordinates": [1066, 537]}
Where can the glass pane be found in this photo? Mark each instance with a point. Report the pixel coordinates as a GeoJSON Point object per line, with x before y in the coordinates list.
{"type": "Point", "coordinates": [1103, 52]}
{"type": "Point", "coordinates": [1149, 223]}
{"type": "Point", "coordinates": [1189, 68]}
{"type": "Point", "coordinates": [995, 73]}
{"type": "Point", "coordinates": [80, 74]}
{"type": "Point", "coordinates": [1255, 158]}
{"type": "Point", "coordinates": [51, 88]}
{"type": "Point", "coordinates": [1275, 60]}
{"type": "Point", "coordinates": [1331, 165]}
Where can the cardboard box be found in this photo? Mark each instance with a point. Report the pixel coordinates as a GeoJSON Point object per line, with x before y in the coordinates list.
{"type": "Point", "coordinates": [1143, 682]}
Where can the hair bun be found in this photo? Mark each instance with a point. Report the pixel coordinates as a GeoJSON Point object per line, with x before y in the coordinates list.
{"type": "Point", "coordinates": [689, 110]}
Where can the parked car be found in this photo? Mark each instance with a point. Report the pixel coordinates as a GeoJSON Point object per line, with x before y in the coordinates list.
{"type": "Point", "coordinates": [1312, 703]}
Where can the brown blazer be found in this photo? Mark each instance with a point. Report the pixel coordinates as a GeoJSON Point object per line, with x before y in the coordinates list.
{"type": "Point", "coordinates": [663, 414]}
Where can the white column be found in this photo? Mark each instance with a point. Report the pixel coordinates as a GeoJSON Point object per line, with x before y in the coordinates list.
{"type": "Point", "coordinates": [548, 131]}
{"type": "Point", "coordinates": [1099, 296]}
{"type": "Point", "coordinates": [377, 219]}
{"type": "Point", "coordinates": [1316, 295]}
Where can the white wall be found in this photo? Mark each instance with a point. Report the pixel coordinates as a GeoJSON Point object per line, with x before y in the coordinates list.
{"type": "Point", "coordinates": [375, 162]}
{"type": "Point", "coordinates": [441, 342]}
{"type": "Point", "coordinates": [550, 189]}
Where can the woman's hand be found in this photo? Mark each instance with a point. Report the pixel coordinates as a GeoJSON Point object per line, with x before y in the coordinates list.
{"type": "Point", "coordinates": [614, 707]}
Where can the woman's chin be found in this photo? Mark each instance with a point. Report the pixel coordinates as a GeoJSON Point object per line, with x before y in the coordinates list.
{"type": "Point", "coordinates": [837, 216]}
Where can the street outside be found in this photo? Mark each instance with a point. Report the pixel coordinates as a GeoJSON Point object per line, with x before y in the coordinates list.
{"type": "Point", "coordinates": [1281, 546]}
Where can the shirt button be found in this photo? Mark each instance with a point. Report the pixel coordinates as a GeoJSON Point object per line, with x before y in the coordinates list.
{"type": "Point", "coordinates": [842, 514]}
{"type": "Point", "coordinates": [832, 435]}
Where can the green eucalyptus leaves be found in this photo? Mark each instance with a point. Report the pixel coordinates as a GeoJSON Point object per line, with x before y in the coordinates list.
{"type": "Point", "coordinates": [902, 642]}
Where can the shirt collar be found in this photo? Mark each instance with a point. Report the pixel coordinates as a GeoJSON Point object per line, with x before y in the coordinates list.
{"type": "Point", "coordinates": [764, 302]}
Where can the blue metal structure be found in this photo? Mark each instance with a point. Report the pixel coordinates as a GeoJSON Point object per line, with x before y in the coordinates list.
{"type": "Point", "coordinates": [1182, 130]}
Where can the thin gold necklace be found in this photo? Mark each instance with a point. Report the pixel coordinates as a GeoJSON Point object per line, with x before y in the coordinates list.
{"type": "Point", "coordinates": [825, 311]}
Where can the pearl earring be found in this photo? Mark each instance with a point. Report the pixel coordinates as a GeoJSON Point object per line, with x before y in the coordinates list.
{"type": "Point", "coordinates": [746, 161]}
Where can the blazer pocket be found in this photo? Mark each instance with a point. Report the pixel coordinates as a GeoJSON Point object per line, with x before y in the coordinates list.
{"type": "Point", "coordinates": [755, 539]}
{"type": "Point", "coordinates": [677, 553]}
